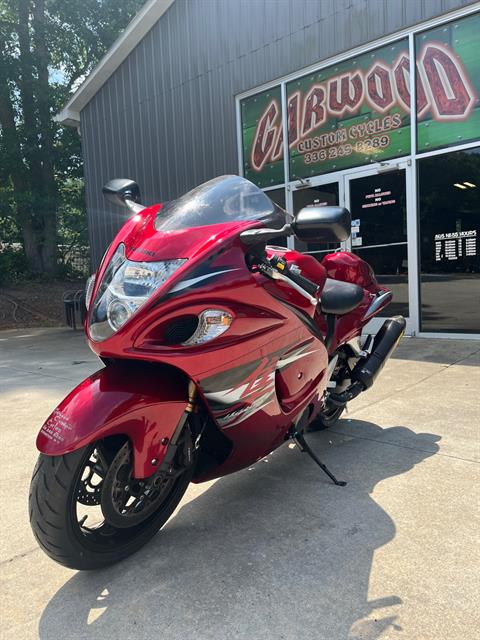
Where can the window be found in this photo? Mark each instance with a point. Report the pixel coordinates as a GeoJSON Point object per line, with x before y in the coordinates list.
{"type": "Point", "coordinates": [449, 209]}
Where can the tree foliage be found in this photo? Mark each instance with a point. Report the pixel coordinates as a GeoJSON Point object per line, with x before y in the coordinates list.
{"type": "Point", "coordinates": [47, 48]}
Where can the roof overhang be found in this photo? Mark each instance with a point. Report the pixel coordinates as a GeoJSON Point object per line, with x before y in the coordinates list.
{"type": "Point", "coordinates": [145, 19]}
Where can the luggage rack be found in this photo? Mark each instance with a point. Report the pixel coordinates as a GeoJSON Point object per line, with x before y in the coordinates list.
{"type": "Point", "coordinates": [74, 308]}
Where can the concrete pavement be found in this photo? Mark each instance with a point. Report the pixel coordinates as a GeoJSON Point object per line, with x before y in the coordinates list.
{"type": "Point", "coordinates": [275, 551]}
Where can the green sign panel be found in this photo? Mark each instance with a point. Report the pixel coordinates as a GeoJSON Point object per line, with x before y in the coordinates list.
{"type": "Point", "coordinates": [350, 114]}
{"type": "Point", "coordinates": [448, 84]}
{"type": "Point", "coordinates": [358, 111]}
{"type": "Point", "coordinates": [262, 138]}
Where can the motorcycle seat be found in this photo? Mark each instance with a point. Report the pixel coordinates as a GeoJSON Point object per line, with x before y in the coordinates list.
{"type": "Point", "coordinates": [338, 297]}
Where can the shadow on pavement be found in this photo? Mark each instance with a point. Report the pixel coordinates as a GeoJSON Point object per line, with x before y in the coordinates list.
{"type": "Point", "coordinates": [446, 351]}
{"type": "Point", "coordinates": [274, 551]}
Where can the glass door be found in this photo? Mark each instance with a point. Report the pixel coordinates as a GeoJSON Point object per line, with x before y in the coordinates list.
{"type": "Point", "coordinates": [379, 202]}
{"type": "Point", "coordinates": [318, 192]}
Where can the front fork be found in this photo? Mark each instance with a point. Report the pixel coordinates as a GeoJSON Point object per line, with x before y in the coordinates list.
{"type": "Point", "coordinates": [173, 442]}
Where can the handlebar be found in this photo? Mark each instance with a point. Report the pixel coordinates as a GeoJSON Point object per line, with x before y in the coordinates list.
{"type": "Point", "coordinates": [277, 269]}
{"type": "Point", "coordinates": [303, 282]}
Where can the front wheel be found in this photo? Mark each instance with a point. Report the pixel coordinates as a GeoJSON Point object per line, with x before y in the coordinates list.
{"type": "Point", "coordinates": [87, 511]}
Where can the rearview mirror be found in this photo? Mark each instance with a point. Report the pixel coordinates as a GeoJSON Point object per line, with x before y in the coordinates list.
{"type": "Point", "coordinates": [121, 190]}
{"type": "Point", "coordinates": [322, 224]}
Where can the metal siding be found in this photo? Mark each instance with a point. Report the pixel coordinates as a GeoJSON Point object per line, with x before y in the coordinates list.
{"type": "Point", "coordinates": [166, 117]}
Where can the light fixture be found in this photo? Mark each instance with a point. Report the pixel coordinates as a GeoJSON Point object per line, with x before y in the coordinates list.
{"type": "Point", "coordinates": [465, 185]}
{"type": "Point", "coordinates": [385, 167]}
{"type": "Point", "coordinates": [125, 286]}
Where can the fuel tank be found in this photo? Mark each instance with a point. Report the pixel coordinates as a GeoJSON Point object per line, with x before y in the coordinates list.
{"type": "Point", "coordinates": [309, 267]}
{"type": "Point", "coordinates": [348, 267]}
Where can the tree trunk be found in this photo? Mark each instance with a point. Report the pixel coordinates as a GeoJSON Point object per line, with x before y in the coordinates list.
{"type": "Point", "coordinates": [31, 203]}
{"type": "Point", "coordinates": [19, 173]}
{"type": "Point", "coordinates": [32, 249]}
{"type": "Point", "coordinates": [32, 164]}
{"type": "Point", "coordinates": [50, 195]}
{"type": "Point", "coordinates": [30, 149]}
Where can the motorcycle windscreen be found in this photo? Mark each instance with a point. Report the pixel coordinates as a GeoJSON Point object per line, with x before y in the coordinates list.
{"type": "Point", "coordinates": [219, 201]}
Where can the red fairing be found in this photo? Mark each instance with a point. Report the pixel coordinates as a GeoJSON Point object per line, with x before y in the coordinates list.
{"type": "Point", "coordinates": [238, 374]}
{"type": "Point", "coordinates": [348, 267]}
{"type": "Point", "coordinates": [120, 399]}
{"type": "Point", "coordinates": [256, 380]}
{"type": "Point", "coordinates": [215, 352]}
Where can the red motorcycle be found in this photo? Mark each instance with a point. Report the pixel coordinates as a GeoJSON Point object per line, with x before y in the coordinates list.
{"type": "Point", "coordinates": [217, 348]}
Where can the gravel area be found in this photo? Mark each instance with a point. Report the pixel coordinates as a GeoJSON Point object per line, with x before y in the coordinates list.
{"type": "Point", "coordinates": [35, 304]}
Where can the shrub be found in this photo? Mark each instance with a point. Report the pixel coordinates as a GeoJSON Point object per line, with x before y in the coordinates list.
{"type": "Point", "coordinates": [13, 265]}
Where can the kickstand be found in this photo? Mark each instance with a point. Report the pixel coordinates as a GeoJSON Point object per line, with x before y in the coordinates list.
{"type": "Point", "coordinates": [305, 448]}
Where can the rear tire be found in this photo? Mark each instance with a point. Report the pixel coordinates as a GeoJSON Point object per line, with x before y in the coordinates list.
{"type": "Point", "coordinates": [331, 413]}
{"type": "Point", "coordinates": [53, 501]}
{"type": "Point", "coordinates": [326, 419]}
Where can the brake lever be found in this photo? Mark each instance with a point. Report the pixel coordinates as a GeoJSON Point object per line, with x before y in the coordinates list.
{"type": "Point", "coordinates": [274, 274]}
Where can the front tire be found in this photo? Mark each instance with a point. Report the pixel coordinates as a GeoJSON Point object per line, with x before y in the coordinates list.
{"type": "Point", "coordinates": [60, 483]}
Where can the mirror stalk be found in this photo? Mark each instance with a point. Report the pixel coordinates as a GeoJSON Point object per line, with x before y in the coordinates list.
{"type": "Point", "coordinates": [134, 207]}
{"type": "Point", "coordinates": [256, 236]}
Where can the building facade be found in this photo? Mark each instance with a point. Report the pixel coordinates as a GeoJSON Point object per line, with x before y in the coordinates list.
{"type": "Point", "coordinates": [311, 101]}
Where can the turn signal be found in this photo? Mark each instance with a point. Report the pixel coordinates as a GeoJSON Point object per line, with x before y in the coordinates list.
{"type": "Point", "coordinates": [211, 324]}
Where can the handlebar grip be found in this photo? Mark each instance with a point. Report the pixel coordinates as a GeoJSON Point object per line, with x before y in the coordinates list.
{"type": "Point", "coordinates": [309, 286]}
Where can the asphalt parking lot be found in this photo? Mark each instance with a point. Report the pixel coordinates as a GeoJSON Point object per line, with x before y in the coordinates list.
{"type": "Point", "coordinates": [275, 551]}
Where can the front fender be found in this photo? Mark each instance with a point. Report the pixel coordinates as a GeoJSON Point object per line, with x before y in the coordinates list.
{"type": "Point", "coordinates": [142, 401]}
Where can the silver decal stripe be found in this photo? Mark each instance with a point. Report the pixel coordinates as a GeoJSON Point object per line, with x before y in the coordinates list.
{"type": "Point", "coordinates": [234, 418]}
{"type": "Point", "coordinates": [188, 283]}
{"type": "Point", "coordinates": [282, 362]}
{"type": "Point", "coordinates": [229, 396]}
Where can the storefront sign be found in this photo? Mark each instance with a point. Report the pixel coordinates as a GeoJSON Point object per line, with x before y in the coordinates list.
{"type": "Point", "coordinates": [349, 114]}
{"type": "Point", "coordinates": [378, 198]}
{"type": "Point", "coordinates": [448, 106]}
{"type": "Point", "coordinates": [358, 111]}
{"type": "Point", "coordinates": [262, 138]}
{"type": "Point", "coordinates": [455, 245]}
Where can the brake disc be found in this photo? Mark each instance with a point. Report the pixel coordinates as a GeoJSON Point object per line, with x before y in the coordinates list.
{"type": "Point", "coordinates": [127, 501]}
{"type": "Point", "coordinates": [88, 492]}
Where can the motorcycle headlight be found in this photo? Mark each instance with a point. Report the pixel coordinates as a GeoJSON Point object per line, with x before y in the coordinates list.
{"type": "Point", "coordinates": [125, 286]}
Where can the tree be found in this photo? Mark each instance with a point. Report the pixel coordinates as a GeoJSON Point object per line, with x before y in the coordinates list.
{"type": "Point", "coordinates": [47, 47]}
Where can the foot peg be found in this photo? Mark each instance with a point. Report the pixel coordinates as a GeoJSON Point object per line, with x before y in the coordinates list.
{"type": "Point", "coordinates": [305, 448]}
{"type": "Point", "coordinates": [341, 399]}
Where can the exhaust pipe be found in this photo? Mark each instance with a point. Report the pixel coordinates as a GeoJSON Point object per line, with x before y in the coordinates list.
{"type": "Point", "coordinates": [367, 369]}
